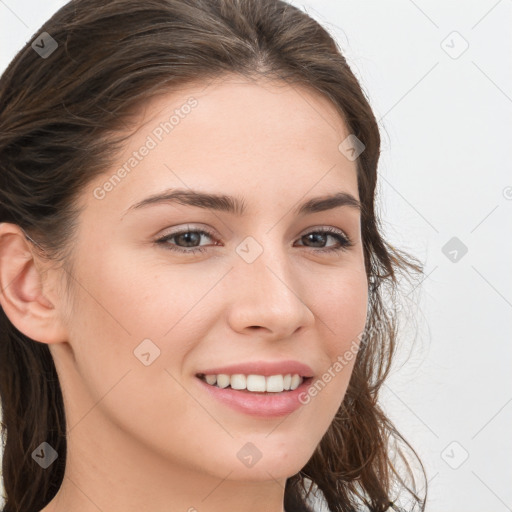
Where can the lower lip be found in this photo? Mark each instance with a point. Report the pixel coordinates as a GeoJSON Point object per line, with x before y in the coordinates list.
{"type": "Point", "coordinates": [259, 404]}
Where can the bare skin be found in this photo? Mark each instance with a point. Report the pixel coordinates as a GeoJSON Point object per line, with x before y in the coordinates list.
{"type": "Point", "coordinates": [149, 438]}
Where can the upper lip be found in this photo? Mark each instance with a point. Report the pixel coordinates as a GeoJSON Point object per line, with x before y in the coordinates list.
{"type": "Point", "coordinates": [265, 368]}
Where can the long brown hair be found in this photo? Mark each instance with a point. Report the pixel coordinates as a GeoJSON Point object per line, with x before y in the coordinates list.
{"type": "Point", "coordinates": [59, 118]}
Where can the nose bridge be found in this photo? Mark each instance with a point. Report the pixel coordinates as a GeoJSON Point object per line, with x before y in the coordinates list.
{"type": "Point", "coordinates": [268, 289]}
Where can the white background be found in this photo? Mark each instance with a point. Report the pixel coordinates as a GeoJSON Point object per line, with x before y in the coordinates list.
{"type": "Point", "coordinates": [445, 171]}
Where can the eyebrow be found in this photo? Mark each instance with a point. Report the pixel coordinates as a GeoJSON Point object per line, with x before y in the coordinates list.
{"type": "Point", "coordinates": [236, 205]}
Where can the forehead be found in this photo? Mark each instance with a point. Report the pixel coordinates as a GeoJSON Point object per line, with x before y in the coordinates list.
{"type": "Point", "coordinates": [237, 117]}
{"type": "Point", "coordinates": [234, 136]}
{"type": "Point", "coordinates": [248, 101]}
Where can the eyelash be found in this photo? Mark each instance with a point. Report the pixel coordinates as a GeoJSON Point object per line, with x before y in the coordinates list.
{"type": "Point", "coordinates": [345, 242]}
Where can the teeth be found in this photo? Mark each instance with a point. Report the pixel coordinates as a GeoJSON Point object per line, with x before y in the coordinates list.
{"type": "Point", "coordinates": [222, 380]}
{"type": "Point", "coordinates": [258, 383]}
{"type": "Point", "coordinates": [238, 381]}
{"type": "Point", "coordinates": [211, 379]}
{"type": "Point", "coordinates": [296, 381]}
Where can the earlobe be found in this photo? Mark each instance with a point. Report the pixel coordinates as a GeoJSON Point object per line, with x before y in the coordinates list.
{"type": "Point", "coordinates": [21, 289]}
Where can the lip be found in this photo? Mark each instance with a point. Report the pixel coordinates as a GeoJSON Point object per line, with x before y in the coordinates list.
{"type": "Point", "coordinates": [265, 368]}
{"type": "Point", "coordinates": [265, 405]}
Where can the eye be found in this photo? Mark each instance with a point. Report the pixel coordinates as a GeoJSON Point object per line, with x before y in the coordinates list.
{"type": "Point", "coordinates": [184, 236]}
{"type": "Point", "coordinates": [343, 240]}
{"type": "Point", "coordinates": [191, 237]}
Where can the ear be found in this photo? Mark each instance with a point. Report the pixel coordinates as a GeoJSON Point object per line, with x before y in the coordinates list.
{"type": "Point", "coordinates": [21, 289]}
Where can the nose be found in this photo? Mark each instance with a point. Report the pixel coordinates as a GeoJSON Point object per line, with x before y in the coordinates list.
{"type": "Point", "coordinates": [268, 296]}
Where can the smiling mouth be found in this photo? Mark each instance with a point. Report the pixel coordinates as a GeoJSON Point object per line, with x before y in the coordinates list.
{"type": "Point", "coordinates": [299, 382]}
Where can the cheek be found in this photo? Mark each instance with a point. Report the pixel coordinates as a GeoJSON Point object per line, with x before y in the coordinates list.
{"type": "Point", "coordinates": [119, 305]}
{"type": "Point", "coordinates": [342, 306]}
{"type": "Point", "coordinates": [342, 310]}
{"type": "Point", "coordinates": [127, 308]}
{"type": "Point", "coordinates": [138, 299]}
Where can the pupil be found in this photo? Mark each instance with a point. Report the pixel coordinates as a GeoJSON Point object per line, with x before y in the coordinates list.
{"type": "Point", "coordinates": [190, 235]}
{"type": "Point", "coordinates": [317, 236]}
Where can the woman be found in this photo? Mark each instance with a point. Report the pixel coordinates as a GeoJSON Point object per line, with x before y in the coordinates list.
{"type": "Point", "coordinates": [198, 307]}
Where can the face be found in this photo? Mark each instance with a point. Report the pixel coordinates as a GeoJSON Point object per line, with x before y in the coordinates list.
{"type": "Point", "coordinates": [165, 290]}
